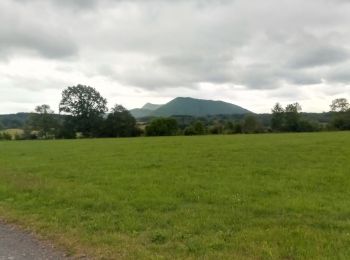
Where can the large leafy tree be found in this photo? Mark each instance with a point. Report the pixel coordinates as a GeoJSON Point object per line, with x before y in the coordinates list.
{"type": "Point", "coordinates": [341, 119]}
{"type": "Point", "coordinates": [340, 105]}
{"type": "Point", "coordinates": [86, 106]}
{"type": "Point", "coordinates": [120, 123]}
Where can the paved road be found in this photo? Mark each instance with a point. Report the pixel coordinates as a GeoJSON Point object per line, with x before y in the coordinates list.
{"type": "Point", "coordinates": [18, 245]}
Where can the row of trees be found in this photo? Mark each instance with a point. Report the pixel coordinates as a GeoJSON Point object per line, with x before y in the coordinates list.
{"type": "Point", "coordinates": [83, 112]}
{"type": "Point", "coordinates": [289, 119]}
{"type": "Point", "coordinates": [283, 119]}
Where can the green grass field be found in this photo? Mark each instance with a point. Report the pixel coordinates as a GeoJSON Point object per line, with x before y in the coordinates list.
{"type": "Point", "coordinates": [274, 196]}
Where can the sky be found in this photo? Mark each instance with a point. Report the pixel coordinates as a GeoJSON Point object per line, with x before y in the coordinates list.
{"type": "Point", "coordinates": [251, 53]}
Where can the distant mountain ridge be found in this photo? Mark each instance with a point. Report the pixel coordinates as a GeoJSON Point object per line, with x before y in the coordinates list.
{"type": "Point", "coordinates": [190, 107]}
{"type": "Point", "coordinates": [150, 106]}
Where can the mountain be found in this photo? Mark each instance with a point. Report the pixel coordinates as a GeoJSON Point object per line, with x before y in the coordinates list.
{"type": "Point", "coordinates": [145, 111]}
{"type": "Point", "coordinates": [150, 106]}
{"type": "Point", "coordinates": [198, 107]}
{"type": "Point", "coordinates": [140, 112]}
{"type": "Point", "coordinates": [190, 107]}
{"type": "Point", "coordinates": [13, 120]}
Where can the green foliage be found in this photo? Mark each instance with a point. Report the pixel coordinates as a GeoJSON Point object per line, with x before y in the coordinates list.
{"type": "Point", "coordinates": [120, 123]}
{"type": "Point", "coordinates": [189, 130]}
{"type": "Point", "coordinates": [238, 129]}
{"type": "Point", "coordinates": [210, 197]}
{"type": "Point", "coordinates": [251, 124]}
{"type": "Point", "coordinates": [199, 128]}
{"type": "Point", "coordinates": [341, 120]}
{"type": "Point", "coordinates": [87, 107]}
{"type": "Point", "coordinates": [67, 129]}
{"type": "Point", "coordinates": [216, 129]}
{"type": "Point", "coordinates": [291, 120]}
{"type": "Point", "coordinates": [162, 127]}
{"type": "Point", "coordinates": [277, 120]}
{"type": "Point", "coordinates": [196, 128]}
{"type": "Point", "coordinates": [292, 117]}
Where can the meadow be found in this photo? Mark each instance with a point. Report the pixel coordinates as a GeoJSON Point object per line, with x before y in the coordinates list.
{"type": "Point", "coordinates": [272, 196]}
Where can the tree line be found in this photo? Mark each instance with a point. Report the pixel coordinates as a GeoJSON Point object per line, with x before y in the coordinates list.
{"type": "Point", "coordinates": [83, 112]}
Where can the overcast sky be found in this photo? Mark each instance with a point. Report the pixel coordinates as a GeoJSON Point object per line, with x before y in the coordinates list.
{"type": "Point", "coordinates": [249, 52]}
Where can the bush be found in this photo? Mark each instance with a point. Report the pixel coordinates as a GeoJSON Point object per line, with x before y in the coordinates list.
{"type": "Point", "coordinates": [216, 129]}
{"type": "Point", "coordinates": [307, 126]}
{"type": "Point", "coordinates": [189, 131]}
{"type": "Point", "coordinates": [237, 129]}
{"type": "Point", "coordinates": [250, 124]}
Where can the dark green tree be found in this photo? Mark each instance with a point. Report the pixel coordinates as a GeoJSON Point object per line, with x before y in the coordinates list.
{"type": "Point", "coordinates": [216, 129]}
{"type": "Point", "coordinates": [237, 129]}
{"type": "Point", "coordinates": [250, 124]}
{"type": "Point", "coordinates": [189, 130]}
{"type": "Point", "coordinates": [229, 127]}
{"type": "Point", "coordinates": [120, 123]}
{"type": "Point", "coordinates": [278, 118]}
{"type": "Point", "coordinates": [162, 127]}
{"type": "Point", "coordinates": [341, 114]}
{"type": "Point", "coordinates": [87, 108]}
{"type": "Point", "coordinates": [341, 120]}
{"type": "Point", "coordinates": [67, 128]}
{"type": "Point", "coordinates": [292, 117]}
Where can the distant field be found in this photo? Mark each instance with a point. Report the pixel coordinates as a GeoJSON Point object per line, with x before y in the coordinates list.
{"type": "Point", "coordinates": [275, 196]}
{"type": "Point", "coordinates": [13, 132]}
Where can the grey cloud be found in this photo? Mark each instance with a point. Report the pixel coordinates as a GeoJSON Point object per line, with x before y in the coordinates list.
{"type": "Point", "coordinates": [339, 74]}
{"type": "Point", "coordinates": [44, 43]}
{"type": "Point", "coordinates": [19, 33]}
{"type": "Point", "coordinates": [158, 44]}
{"type": "Point", "coordinates": [315, 56]}
{"type": "Point", "coordinates": [64, 3]}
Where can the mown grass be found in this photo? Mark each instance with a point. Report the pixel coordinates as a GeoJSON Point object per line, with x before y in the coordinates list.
{"type": "Point", "coordinates": [276, 196]}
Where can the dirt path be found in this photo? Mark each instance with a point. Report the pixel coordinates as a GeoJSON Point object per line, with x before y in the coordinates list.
{"type": "Point", "coordinates": [16, 244]}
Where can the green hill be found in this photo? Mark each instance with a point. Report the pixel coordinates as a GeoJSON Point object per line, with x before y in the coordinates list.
{"type": "Point", "coordinates": [140, 112]}
{"type": "Point", "coordinates": [198, 107]}
{"type": "Point", "coordinates": [150, 106]}
{"type": "Point", "coordinates": [13, 120]}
